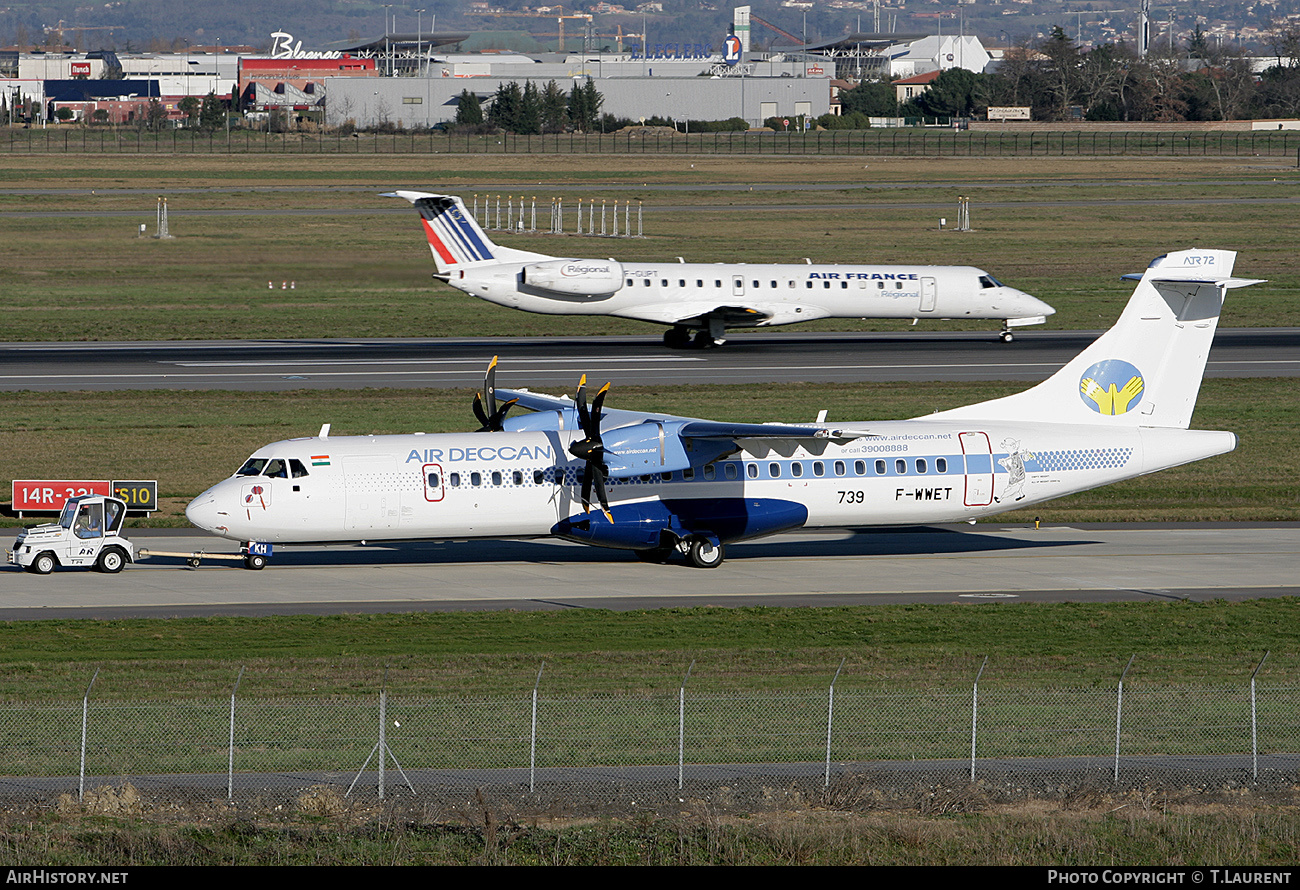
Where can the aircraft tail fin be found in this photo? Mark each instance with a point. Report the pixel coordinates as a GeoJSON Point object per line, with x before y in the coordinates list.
{"type": "Point", "coordinates": [454, 236]}
{"type": "Point", "coordinates": [1147, 369]}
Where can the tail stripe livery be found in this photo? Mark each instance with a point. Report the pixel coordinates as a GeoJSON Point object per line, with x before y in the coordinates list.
{"type": "Point", "coordinates": [451, 234]}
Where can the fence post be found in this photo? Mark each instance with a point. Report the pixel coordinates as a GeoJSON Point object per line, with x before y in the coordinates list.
{"type": "Point", "coordinates": [1119, 707]}
{"type": "Point", "coordinates": [830, 715]}
{"type": "Point", "coordinates": [532, 736]}
{"type": "Point", "coordinates": [1254, 725]}
{"type": "Point", "coordinates": [85, 715]}
{"type": "Point", "coordinates": [681, 725]}
{"type": "Point", "coordinates": [230, 751]}
{"type": "Point", "coordinates": [974, 714]}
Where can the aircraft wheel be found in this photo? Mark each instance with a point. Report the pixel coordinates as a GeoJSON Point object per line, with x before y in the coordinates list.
{"type": "Point", "coordinates": [677, 338]}
{"type": "Point", "coordinates": [255, 561]}
{"type": "Point", "coordinates": [704, 554]}
{"type": "Point", "coordinates": [43, 564]}
{"type": "Point", "coordinates": [704, 340]}
{"type": "Point", "coordinates": [111, 560]}
{"type": "Point", "coordinates": [1007, 336]}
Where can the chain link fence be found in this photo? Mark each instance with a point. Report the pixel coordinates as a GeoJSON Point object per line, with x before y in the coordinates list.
{"type": "Point", "coordinates": [832, 742]}
{"type": "Point", "coordinates": [901, 142]}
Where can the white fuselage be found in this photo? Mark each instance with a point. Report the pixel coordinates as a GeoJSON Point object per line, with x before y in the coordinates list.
{"type": "Point", "coordinates": [520, 484]}
{"type": "Point", "coordinates": [760, 295]}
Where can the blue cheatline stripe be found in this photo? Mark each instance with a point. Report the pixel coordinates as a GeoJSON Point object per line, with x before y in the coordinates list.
{"type": "Point", "coordinates": [455, 237]}
{"type": "Point", "coordinates": [470, 231]}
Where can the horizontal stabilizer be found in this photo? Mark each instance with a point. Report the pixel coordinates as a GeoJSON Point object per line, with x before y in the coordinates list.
{"type": "Point", "coordinates": [1146, 370]}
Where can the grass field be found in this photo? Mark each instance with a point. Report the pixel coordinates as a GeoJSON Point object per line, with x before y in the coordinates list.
{"type": "Point", "coordinates": [1062, 229]}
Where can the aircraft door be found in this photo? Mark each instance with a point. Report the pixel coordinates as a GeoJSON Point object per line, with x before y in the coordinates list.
{"type": "Point", "coordinates": [929, 294]}
{"type": "Point", "coordinates": [433, 483]}
{"type": "Point", "coordinates": [979, 468]}
{"type": "Point", "coordinates": [737, 285]}
{"type": "Point", "coordinates": [372, 492]}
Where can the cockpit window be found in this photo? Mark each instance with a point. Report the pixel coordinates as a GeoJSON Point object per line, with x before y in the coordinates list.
{"type": "Point", "coordinates": [276, 469]}
{"type": "Point", "coordinates": [296, 469]}
{"type": "Point", "coordinates": [989, 281]}
{"type": "Point", "coordinates": [253, 467]}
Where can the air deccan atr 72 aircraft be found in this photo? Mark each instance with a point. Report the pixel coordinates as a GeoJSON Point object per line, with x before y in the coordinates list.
{"type": "Point", "coordinates": [706, 299]}
{"type": "Point", "coordinates": [659, 484]}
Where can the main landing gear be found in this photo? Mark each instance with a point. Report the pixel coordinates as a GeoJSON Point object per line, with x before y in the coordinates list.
{"type": "Point", "coordinates": [681, 338]}
{"type": "Point", "coordinates": [702, 553]}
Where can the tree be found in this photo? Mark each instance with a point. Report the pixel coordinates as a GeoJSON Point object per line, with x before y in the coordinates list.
{"type": "Point", "coordinates": [554, 109]}
{"type": "Point", "coordinates": [584, 106]}
{"type": "Point", "coordinates": [190, 107]}
{"type": "Point", "coordinates": [212, 116]}
{"type": "Point", "coordinates": [469, 111]}
{"type": "Point", "coordinates": [871, 98]}
{"type": "Point", "coordinates": [506, 105]}
{"type": "Point", "coordinates": [951, 94]}
{"type": "Point", "coordinates": [155, 115]}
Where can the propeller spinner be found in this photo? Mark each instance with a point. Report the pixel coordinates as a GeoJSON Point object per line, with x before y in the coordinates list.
{"type": "Point", "coordinates": [492, 417]}
{"type": "Point", "coordinates": [590, 448]}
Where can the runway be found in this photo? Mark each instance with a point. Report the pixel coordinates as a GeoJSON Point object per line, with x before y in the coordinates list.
{"type": "Point", "coordinates": [555, 363]}
{"type": "Point", "coordinates": [987, 563]}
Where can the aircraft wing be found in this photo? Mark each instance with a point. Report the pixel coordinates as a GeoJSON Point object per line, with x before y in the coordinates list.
{"type": "Point", "coordinates": [685, 427]}
{"type": "Point", "coordinates": [736, 312]}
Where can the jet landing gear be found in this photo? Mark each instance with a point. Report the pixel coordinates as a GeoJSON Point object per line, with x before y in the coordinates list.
{"type": "Point", "coordinates": [1006, 336]}
{"type": "Point", "coordinates": [679, 337]}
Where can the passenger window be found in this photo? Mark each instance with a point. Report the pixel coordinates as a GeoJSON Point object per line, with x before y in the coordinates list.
{"type": "Point", "coordinates": [859, 468]}
{"type": "Point", "coordinates": [796, 468]}
{"type": "Point", "coordinates": [518, 478]}
{"type": "Point", "coordinates": [296, 468]}
{"type": "Point", "coordinates": [496, 477]}
{"type": "Point", "coordinates": [729, 470]}
{"type": "Point", "coordinates": [538, 477]}
{"type": "Point", "coordinates": [839, 468]}
{"type": "Point", "coordinates": [688, 474]}
{"type": "Point", "coordinates": [880, 468]}
{"type": "Point", "coordinates": [476, 479]}
{"type": "Point", "coordinates": [941, 465]}
{"type": "Point", "coordinates": [454, 479]}
{"type": "Point", "coordinates": [709, 472]}
{"type": "Point", "coordinates": [921, 465]}
{"type": "Point", "coordinates": [751, 470]}
{"type": "Point", "coordinates": [775, 469]}
{"type": "Point", "coordinates": [819, 468]}
{"type": "Point", "coordinates": [900, 466]}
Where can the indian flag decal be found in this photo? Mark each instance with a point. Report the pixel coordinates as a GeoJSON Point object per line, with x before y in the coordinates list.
{"type": "Point", "coordinates": [320, 460]}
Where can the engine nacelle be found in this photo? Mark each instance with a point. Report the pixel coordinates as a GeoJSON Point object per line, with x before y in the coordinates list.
{"type": "Point", "coordinates": [575, 278]}
{"type": "Point", "coordinates": [643, 525]}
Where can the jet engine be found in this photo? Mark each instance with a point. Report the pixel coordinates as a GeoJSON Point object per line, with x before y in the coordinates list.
{"type": "Point", "coordinates": [574, 278]}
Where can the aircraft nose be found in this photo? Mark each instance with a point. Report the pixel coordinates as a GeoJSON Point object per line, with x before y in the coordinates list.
{"type": "Point", "coordinates": [202, 511]}
{"type": "Point", "coordinates": [1031, 305]}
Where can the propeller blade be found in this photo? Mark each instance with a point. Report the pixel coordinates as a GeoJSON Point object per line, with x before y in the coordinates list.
{"type": "Point", "coordinates": [490, 415]}
{"type": "Point", "coordinates": [591, 448]}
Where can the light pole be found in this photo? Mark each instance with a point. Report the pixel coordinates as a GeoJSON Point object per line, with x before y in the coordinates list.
{"type": "Point", "coordinates": [419, 42]}
{"type": "Point", "coordinates": [388, 51]}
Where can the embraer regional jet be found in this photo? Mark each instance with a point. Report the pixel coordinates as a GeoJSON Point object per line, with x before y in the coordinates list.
{"type": "Point", "coordinates": [659, 484]}
{"type": "Point", "coordinates": [707, 299]}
